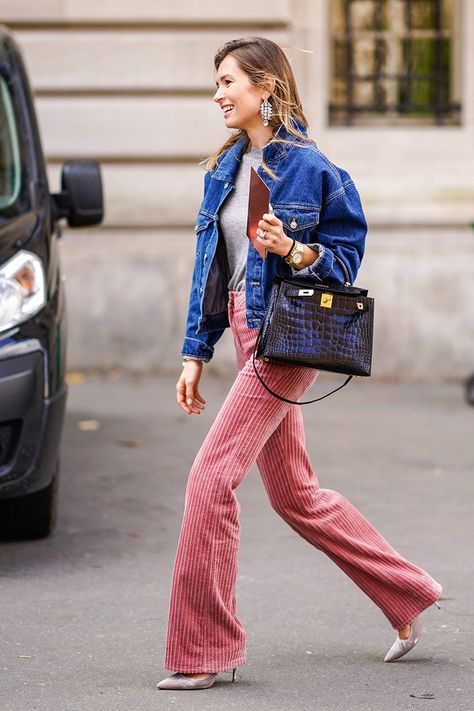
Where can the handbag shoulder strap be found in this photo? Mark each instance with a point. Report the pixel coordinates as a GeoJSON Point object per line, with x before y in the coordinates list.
{"type": "Point", "coordinates": [280, 397]}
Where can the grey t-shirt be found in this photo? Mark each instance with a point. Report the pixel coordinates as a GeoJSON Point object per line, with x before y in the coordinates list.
{"type": "Point", "coordinates": [233, 219]}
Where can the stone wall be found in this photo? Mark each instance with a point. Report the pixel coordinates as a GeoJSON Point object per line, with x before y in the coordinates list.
{"type": "Point", "coordinates": [131, 84]}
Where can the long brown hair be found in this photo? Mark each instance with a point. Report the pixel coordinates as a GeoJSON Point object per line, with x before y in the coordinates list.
{"type": "Point", "coordinates": [259, 56]}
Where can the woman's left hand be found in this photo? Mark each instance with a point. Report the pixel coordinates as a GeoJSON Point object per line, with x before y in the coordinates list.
{"type": "Point", "coordinates": [275, 240]}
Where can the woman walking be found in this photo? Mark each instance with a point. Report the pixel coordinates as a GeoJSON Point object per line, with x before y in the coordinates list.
{"type": "Point", "coordinates": [315, 216]}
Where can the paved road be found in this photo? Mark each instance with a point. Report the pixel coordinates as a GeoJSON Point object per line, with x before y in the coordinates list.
{"type": "Point", "coordinates": [84, 612]}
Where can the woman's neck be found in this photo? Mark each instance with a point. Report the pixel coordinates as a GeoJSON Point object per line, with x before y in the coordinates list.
{"type": "Point", "coordinates": [258, 144]}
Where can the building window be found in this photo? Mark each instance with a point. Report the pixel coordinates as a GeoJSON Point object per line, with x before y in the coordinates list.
{"type": "Point", "coordinates": [394, 62]}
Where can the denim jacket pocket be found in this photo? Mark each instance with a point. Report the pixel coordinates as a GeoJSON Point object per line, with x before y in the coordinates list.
{"type": "Point", "coordinates": [298, 222]}
{"type": "Point", "coordinates": [203, 221]}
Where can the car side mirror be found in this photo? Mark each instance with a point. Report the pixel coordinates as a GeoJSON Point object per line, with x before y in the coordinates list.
{"type": "Point", "coordinates": [81, 198]}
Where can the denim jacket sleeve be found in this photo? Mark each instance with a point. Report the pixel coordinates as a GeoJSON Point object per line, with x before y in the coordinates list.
{"type": "Point", "coordinates": [199, 346]}
{"type": "Point", "coordinates": [341, 231]}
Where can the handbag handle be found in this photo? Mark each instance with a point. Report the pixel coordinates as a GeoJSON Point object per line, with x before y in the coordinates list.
{"type": "Point", "coordinates": [280, 397]}
{"type": "Point", "coordinates": [344, 269]}
{"type": "Point", "coordinates": [306, 402]}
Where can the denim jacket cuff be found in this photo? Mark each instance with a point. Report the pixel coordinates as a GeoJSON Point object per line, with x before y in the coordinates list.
{"type": "Point", "coordinates": [195, 348]}
{"type": "Point", "coordinates": [319, 267]}
{"type": "Point", "coordinates": [186, 356]}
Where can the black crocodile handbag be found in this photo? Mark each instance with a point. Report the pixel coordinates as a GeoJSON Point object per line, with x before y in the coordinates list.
{"type": "Point", "coordinates": [314, 325]}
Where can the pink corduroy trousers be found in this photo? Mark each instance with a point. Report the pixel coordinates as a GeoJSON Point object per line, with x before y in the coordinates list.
{"type": "Point", "coordinates": [204, 632]}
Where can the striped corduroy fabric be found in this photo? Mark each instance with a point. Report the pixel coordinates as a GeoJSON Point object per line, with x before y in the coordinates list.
{"type": "Point", "coordinates": [204, 632]}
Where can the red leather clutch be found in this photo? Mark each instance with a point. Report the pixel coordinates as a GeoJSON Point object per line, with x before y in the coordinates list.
{"type": "Point", "coordinates": [259, 196]}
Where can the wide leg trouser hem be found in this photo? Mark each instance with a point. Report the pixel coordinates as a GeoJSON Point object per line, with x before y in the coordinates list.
{"type": "Point", "coordinates": [399, 623]}
{"type": "Point", "coordinates": [209, 668]}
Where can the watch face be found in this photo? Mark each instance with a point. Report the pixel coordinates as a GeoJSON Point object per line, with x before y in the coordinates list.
{"type": "Point", "coordinates": [298, 258]}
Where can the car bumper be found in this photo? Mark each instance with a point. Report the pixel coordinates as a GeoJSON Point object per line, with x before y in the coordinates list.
{"type": "Point", "coordinates": [30, 422]}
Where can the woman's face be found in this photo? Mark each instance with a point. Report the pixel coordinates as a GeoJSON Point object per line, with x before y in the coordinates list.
{"type": "Point", "coordinates": [235, 89]}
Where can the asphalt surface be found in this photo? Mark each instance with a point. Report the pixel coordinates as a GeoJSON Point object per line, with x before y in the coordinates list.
{"type": "Point", "coordinates": [83, 613]}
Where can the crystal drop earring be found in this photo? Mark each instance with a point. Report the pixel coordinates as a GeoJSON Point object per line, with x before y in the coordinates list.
{"type": "Point", "coordinates": [266, 111]}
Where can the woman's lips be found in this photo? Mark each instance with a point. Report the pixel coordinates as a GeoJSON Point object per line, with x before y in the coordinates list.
{"type": "Point", "coordinates": [226, 113]}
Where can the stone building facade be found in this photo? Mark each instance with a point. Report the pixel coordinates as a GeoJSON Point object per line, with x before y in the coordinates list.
{"type": "Point", "coordinates": [131, 84]}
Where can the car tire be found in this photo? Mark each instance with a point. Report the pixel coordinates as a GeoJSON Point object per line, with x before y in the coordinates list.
{"type": "Point", "coordinates": [32, 516]}
{"type": "Point", "coordinates": [469, 390]}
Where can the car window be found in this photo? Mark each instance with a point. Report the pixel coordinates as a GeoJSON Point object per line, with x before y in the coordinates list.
{"type": "Point", "coordinates": [10, 163]}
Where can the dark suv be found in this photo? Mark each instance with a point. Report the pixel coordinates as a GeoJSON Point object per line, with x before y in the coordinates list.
{"type": "Point", "coordinates": [32, 304]}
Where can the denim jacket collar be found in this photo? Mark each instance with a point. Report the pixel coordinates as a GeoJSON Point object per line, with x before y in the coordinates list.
{"type": "Point", "coordinates": [230, 161]}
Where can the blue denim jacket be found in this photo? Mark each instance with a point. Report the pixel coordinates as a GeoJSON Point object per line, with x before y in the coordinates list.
{"type": "Point", "coordinates": [318, 204]}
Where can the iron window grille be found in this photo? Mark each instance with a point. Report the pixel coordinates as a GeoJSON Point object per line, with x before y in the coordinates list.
{"type": "Point", "coordinates": [394, 62]}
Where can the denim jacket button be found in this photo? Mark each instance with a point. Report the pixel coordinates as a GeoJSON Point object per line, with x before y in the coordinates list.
{"type": "Point", "coordinates": [293, 224]}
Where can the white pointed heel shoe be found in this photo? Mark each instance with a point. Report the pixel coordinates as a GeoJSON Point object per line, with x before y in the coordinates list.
{"type": "Point", "coordinates": [181, 681]}
{"type": "Point", "coordinates": [401, 646]}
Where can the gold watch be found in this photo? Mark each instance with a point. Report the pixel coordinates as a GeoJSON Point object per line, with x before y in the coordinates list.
{"type": "Point", "coordinates": [296, 255]}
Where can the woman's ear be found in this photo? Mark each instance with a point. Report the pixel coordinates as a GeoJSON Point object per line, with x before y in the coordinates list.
{"type": "Point", "coordinates": [269, 83]}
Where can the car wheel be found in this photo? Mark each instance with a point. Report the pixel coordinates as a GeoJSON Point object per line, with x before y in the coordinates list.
{"type": "Point", "coordinates": [469, 390]}
{"type": "Point", "coordinates": [31, 516]}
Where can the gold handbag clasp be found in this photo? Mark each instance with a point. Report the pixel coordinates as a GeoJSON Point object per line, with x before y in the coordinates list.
{"type": "Point", "coordinates": [326, 301]}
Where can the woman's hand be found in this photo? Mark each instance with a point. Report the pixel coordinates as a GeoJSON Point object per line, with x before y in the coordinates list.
{"type": "Point", "coordinates": [187, 393]}
{"type": "Point", "coordinates": [275, 240]}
